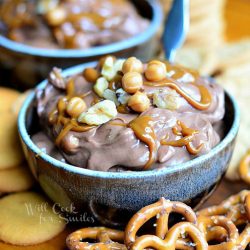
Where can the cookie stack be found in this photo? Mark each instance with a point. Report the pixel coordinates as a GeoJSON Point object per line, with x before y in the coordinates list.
{"type": "Point", "coordinates": [206, 23]}
{"type": "Point", "coordinates": [233, 72]}
{"type": "Point", "coordinates": [14, 174]}
{"type": "Point", "coordinates": [25, 212]}
{"type": "Point", "coordinates": [205, 35]}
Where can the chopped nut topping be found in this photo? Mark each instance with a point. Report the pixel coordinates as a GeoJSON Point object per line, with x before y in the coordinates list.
{"type": "Point", "coordinates": [166, 99]}
{"type": "Point", "coordinates": [99, 113]}
{"type": "Point", "coordinates": [111, 67]}
{"type": "Point", "coordinates": [56, 78]}
{"type": "Point", "coordinates": [101, 85]}
{"type": "Point", "coordinates": [110, 95]}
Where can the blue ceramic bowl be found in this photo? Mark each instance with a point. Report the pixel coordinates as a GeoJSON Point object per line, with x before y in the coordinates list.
{"type": "Point", "coordinates": [190, 182]}
{"type": "Point", "coordinates": [23, 66]}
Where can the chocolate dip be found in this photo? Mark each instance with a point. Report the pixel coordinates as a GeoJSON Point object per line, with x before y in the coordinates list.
{"type": "Point", "coordinates": [69, 23]}
{"type": "Point", "coordinates": [154, 138]}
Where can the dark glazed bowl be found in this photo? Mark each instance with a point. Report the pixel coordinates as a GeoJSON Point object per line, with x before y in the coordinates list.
{"type": "Point", "coordinates": [190, 182]}
{"type": "Point", "coordinates": [23, 66]}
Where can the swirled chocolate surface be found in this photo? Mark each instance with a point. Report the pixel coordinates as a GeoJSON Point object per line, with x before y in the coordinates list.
{"type": "Point", "coordinates": [155, 138]}
{"type": "Point", "coordinates": [69, 23]}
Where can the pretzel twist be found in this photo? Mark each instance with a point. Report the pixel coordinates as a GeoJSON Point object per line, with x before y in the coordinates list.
{"type": "Point", "coordinates": [244, 168]}
{"type": "Point", "coordinates": [106, 239]}
{"type": "Point", "coordinates": [218, 234]}
{"type": "Point", "coordinates": [161, 211]}
{"type": "Point", "coordinates": [213, 223]}
{"type": "Point", "coordinates": [234, 208]}
{"type": "Point", "coordinates": [206, 223]}
{"type": "Point", "coordinates": [169, 243]}
{"type": "Point", "coordinates": [244, 238]}
{"type": "Point", "coordinates": [247, 205]}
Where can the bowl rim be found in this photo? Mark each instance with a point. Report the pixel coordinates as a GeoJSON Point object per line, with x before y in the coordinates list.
{"type": "Point", "coordinates": [127, 174]}
{"type": "Point", "coordinates": [157, 17]}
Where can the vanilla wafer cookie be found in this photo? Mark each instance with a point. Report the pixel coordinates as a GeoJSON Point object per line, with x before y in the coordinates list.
{"type": "Point", "coordinates": [239, 87]}
{"type": "Point", "coordinates": [27, 218]}
{"type": "Point", "coordinates": [8, 96]}
{"type": "Point", "coordinates": [234, 55]}
{"type": "Point", "coordinates": [11, 154]}
{"type": "Point", "coordinates": [17, 104]}
{"type": "Point", "coordinates": [203, 60]}
{"type": "Point", "coordinates": [15, 179]}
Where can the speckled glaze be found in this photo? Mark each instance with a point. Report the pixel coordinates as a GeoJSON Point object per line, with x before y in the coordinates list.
{"type": "Point", "coordinates": [190, 182]}
{"type": "Point", "coordinates": [23, 66]}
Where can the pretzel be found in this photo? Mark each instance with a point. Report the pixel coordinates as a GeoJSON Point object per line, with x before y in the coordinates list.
{"type": "Point", "coordinates": [161, 211]}
{"type": "Point", "coordinates": [244, 238]}
{"type": "Point", "coordinates": [215, 233]}
{"type": "Point", "coordinates": [247, 206]}
{"type": "Point", "coordinates": [169, 243]}
{"type": "Point", "coordinates": [234, 208]}
{"type": "Point", "coordinates": [244, 168]}
{"type": "Point", "coordinates": [206, 223]}
{"type": "Point", "coordinates": [106, 239]}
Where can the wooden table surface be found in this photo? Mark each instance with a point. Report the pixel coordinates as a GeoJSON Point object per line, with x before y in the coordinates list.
{"type": "Point", "coordinates": [237, 15]}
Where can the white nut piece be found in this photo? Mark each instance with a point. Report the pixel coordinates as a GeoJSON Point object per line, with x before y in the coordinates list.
{"type": "Point", "coordinates": [166, 99]}
{"type": "Point", "coordinates": [111, 67]}
{"type": "Point", "coordinates": [110, 95]}
{"type": "Point", "coordinates": [122, 96]}
{"type": "Point", "coordinates": [100, 86]}
{"type": "Point", "coordinates": [118, 65]}
{"type": "Point", "coordinates": [99, 113]}
{"type": "Point", "coordinates": [108, 68]}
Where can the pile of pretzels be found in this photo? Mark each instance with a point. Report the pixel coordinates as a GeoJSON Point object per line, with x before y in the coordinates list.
{"type": "Point", "coordinates": [222, 227]}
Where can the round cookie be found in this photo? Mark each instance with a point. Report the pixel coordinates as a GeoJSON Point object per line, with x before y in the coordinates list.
{"type": "Point", "coordinates": [15, 179]}
{"type": "Point", "coordinates": [203, 60]}
{"type": "Point", "coordinates": [235, 79]}
{"type": "Point", "coordinates": [11, 154]}
{"type": "Point", "coordinates": [17, 104]}
{"type": "Point", "coordinates": [8, 96]}
{"type": "Point", "coordinates": [27, 218]}
{"type": "Point", "coordinates": [10, 151]}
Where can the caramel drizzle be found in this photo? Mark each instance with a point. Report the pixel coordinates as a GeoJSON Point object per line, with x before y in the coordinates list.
{"type": "Point", "coordinates": [179, 71]}
{"type": "Point", "coordinates": [186, 140]}
{"type": "Point", "coordinates": [203, 104]}
{"type": "Point", "coordinates": [143, 129]}
{"type": "Point", "coordinates": [69, 124]}
{"type": "Point", "coordinates": [142, 125]}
